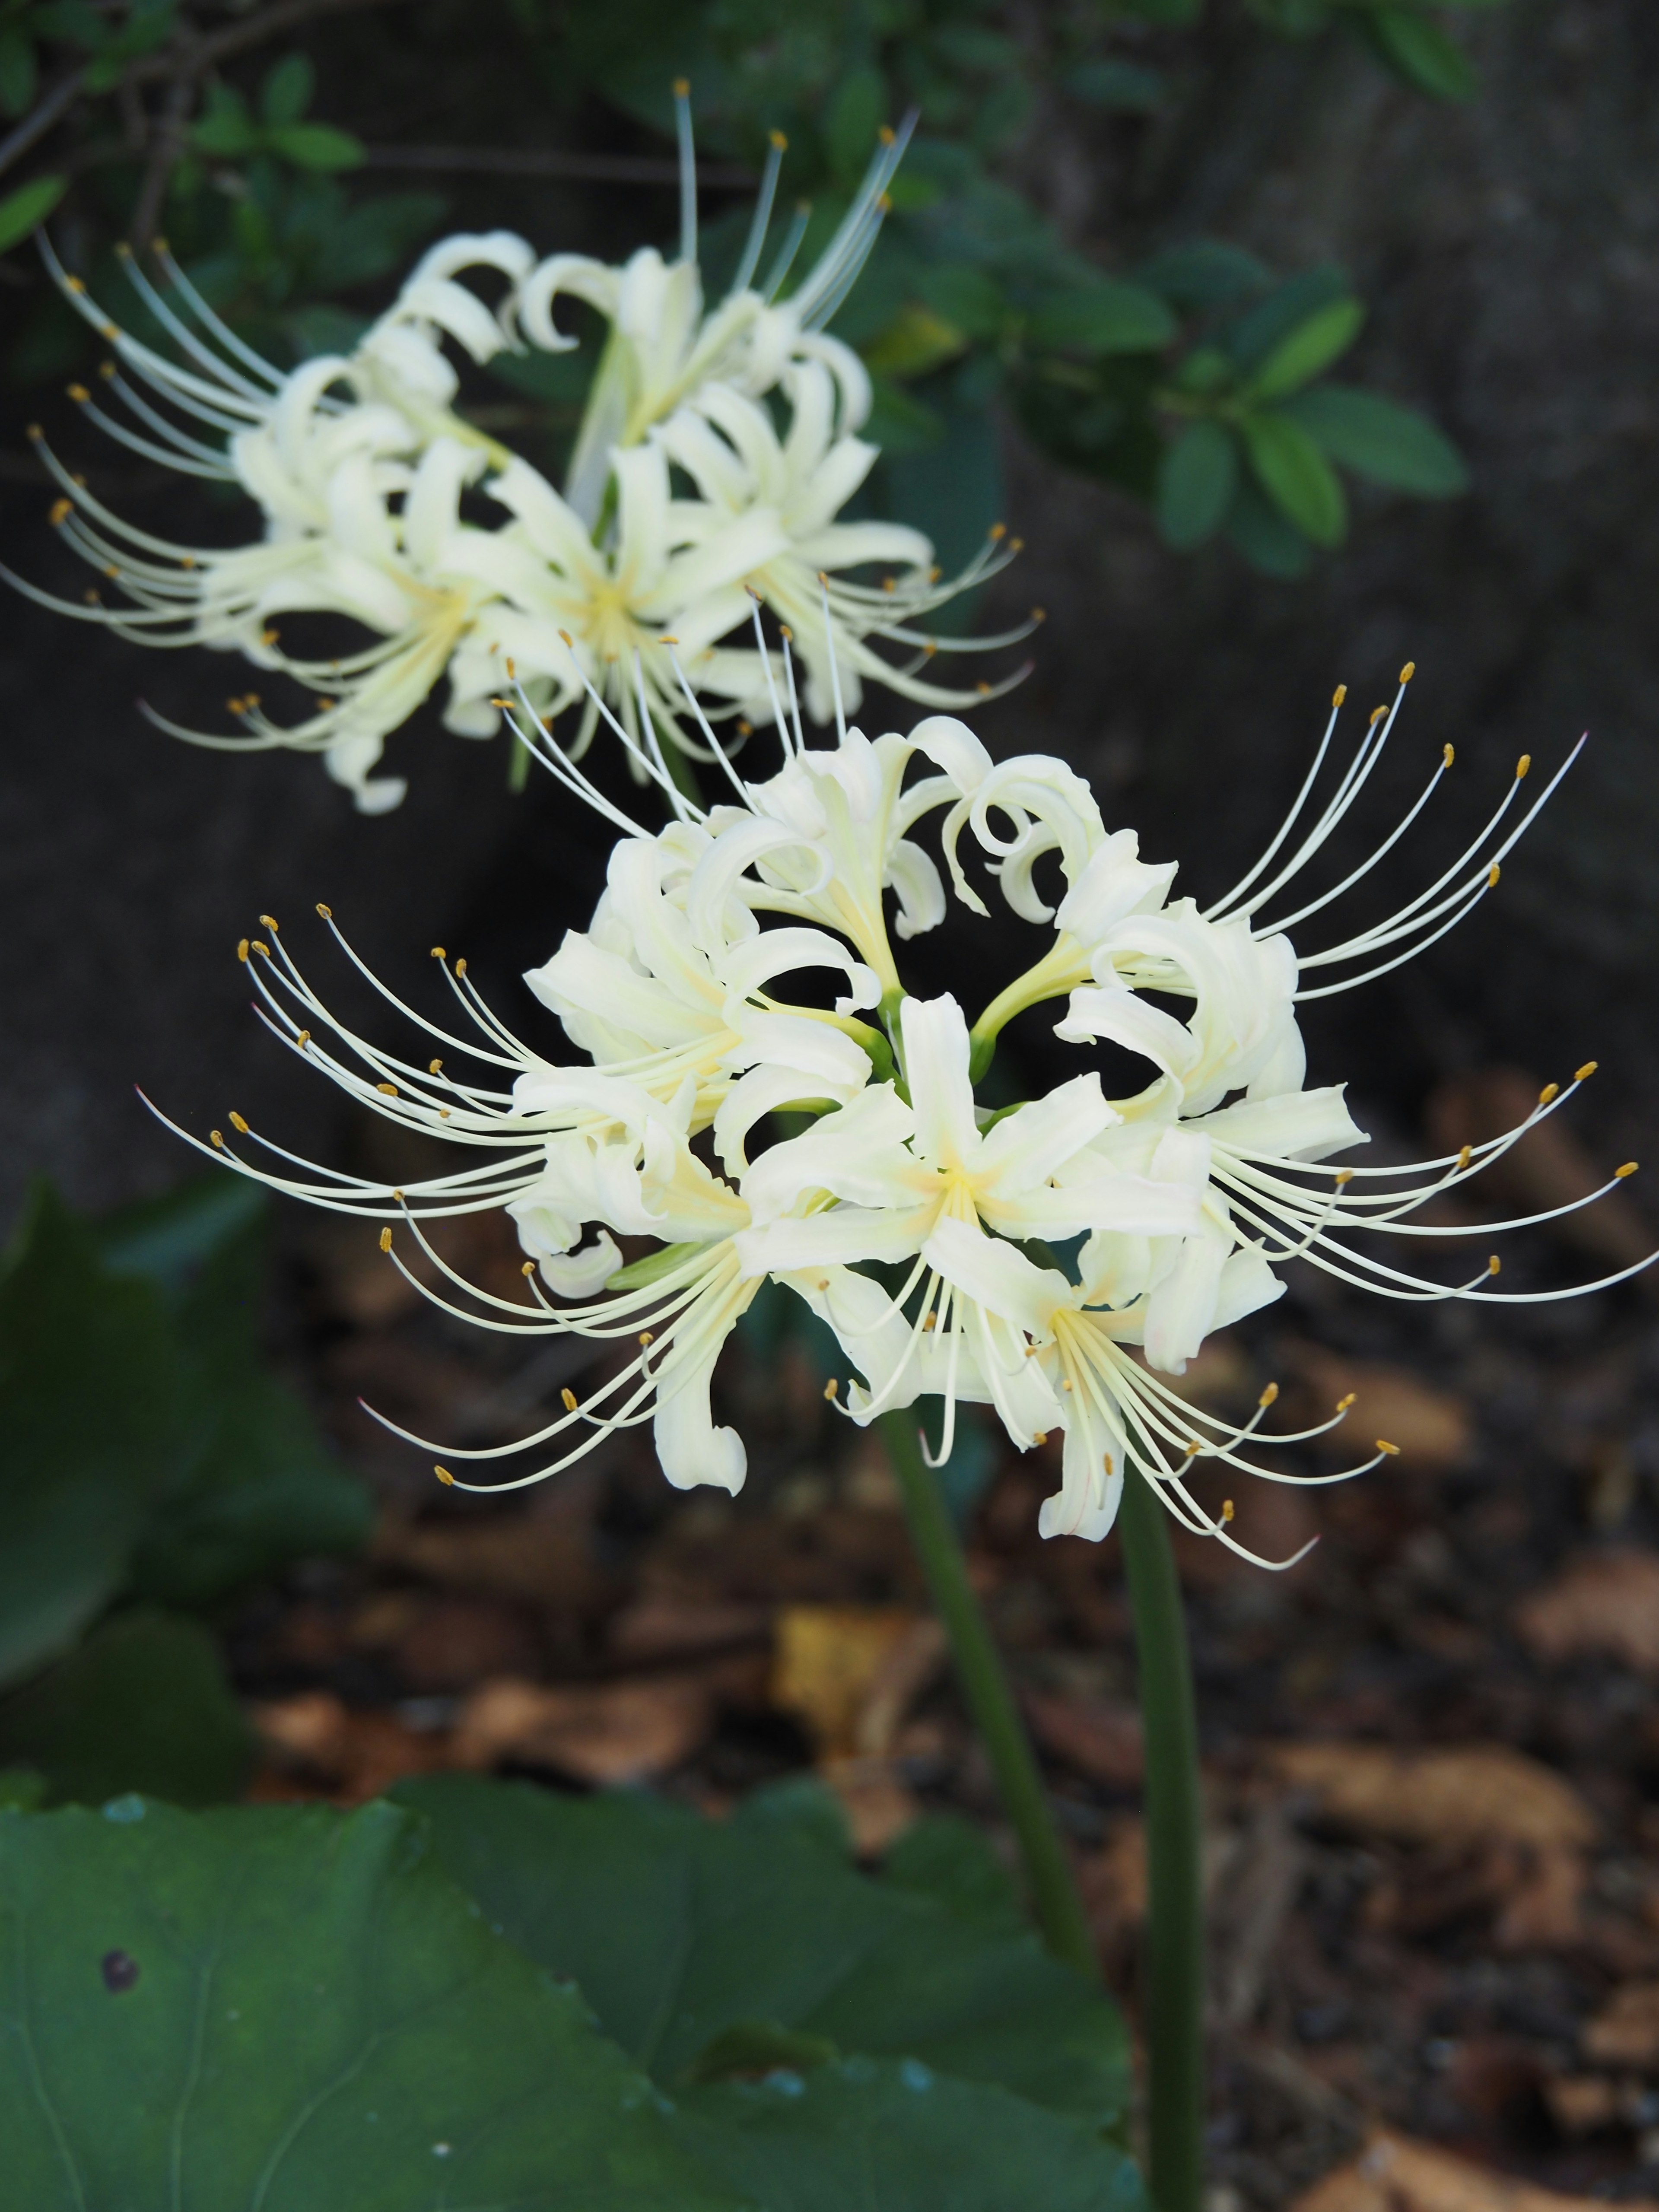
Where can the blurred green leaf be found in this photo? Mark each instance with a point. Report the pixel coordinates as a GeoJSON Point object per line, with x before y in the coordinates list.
{"type": "Point", "coordinates": [27, 208]}
{"type": "Point", "coordinates": [1124, 87]}
{"type": "Point", "coordinates": [1422, 55]}
{"type": "Point", "coordinates": [1296, 476]}
{"type": "Point", "coordinates": [92, 1403]}
{"type": "Point", "coordinates": [288, 89]}
{"type": "Point", "coordinates": [916, 340]}
{"type": "Point", "coordinates": [317, 146]}
{"type": "Point", "coordinates": [295, 2008]}
{"type": "Point", "coordinates": [1377, 438]}
{"type": "Point", "coordinates": [225, 126]}
{"type": "Point", "coordinates": [1307, 351]}
{"type": "Point", "coordinates": [954, 1861]}
{"type": "Point", "coordinates": [1195, 485]}
{"type": "Point", "coordinates": [968, 297]}
{"type": "Point", "coordinates": [900, 423]}
{"type": "Point", "coordinates": [1264, 536]}
{"type": "Point", "coordinates": [18, 73]}
{"type": "Point", "coordinates": [143, 1704]}
{"type": "Point", "coordinates": [1101, 318]}
{"type": "Point", "coordinates": [1204, 273]}
{"type": "Point", "coordinates": [856, 114]}
{"type": "Point", "coordinates": [1250, 335]}
{"type": "Point", "coordinates": [676, 1929]}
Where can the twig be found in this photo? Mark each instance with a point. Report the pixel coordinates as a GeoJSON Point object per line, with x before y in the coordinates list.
{"type": "Point", "coordinates": [167, 145]}
{"type": "Point", "coordinates": [253, 31]}
{"type": "Point", "coordinates": [516, 162]}
{"type": "Point", "coordinates": [36, 123]}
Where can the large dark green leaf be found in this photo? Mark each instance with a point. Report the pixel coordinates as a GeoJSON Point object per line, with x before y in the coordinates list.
{"type": "Point", "coordinates": [1416, 49]}
{"type": "Point", "coordinates": [295, 2009]}
{"type": "Point", "coordinates": [678, 1929]}
{"type": "Point", "coordinates": [1307, 350]}
{"type": "Point", "coordinates": [1104, 316]}
{"type": "Point", "coordinates": [143, 1704]}
{"type": "Point", "coordinates": [866, 2131]}
{"type": "Point", "coordinates": [92, 1403]}
{"type": "Point", "coordinates": [1377, 438]}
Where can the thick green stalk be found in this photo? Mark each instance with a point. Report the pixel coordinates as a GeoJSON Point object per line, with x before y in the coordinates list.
{"type": "Point", "coordinates": [990, 1700]}
{"type": "Point", "coordinates": [1174, 1828]}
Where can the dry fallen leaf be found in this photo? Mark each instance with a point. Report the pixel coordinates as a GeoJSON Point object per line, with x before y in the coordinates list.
{"type": "Point", "coordinates": [660, 1625]}
{"type": "Point", "coordinates": [1113, 1885]}
{"type": "Point", "coordinates": [1579, 2104]}
{"type": "Point", "coordinates": [878, 1803]}
{"type": "Point", "coordinates": [1549, 1167]}
{"type": "Point", "coordinates": [1606, 1602]}
{"type": "Point", "coordinates": [1431, 1428]}
{"type": "Point", "coordinates": [317, 1745]}
{"type": "Point", "coordinates": [1393, 2173]}
{"type": "Point", "coordinates": [830, 1659]}
{"type": "Point", "coordinates": [1477, 1793]}
{"type": "Point", "coordinates": [543, 1555]}
{"type": "Point", "coordinates": [1099, 1738]}
{"type": "Point", "coordinates": [1625, 2033]}
{"type": "Point", "coordinates": [606, 1734]}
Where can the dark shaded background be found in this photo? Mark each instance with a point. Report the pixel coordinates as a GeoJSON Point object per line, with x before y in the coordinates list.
{"type": "Point", "coordinates": [1511, 251]}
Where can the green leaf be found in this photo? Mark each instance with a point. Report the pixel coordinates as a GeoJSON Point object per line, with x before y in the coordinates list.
{"type": "Point", "coordinates": [1120, 87]}
{"type": "Point", "coordinates": [1250, 337]}
{"type": "Point", "coordinates": [27, 208]}
{"type": "Point", "coordinates": [144, 1704]}
{"type": "Point", "coordinates": [678, 1928]}
{"type": "Point", "coordinates": [1422, 55]}
{"type": "Point", "coordinates": [1204, 273]}
{"type": "Point", "coordinates": [1265, 538]}
{"type": "Point", "coordinates": [1296, 476]}
{"type": "Point", "coordinates": [948, 1858]}
{"type": "Point", "coordinates": [1377, 438]}
{"type": "Point", "coordinates": [1104, 318]}
{"type": "Point", "coordinates": [1195, 485]}
{"type": "Point", "coordinates": [225, 126]}
{"type": "Point", "coordinates": [855, 115]}
{"type": "Point", "coordinates": [318, 146]}
{"type": "Point", "coordinates": [865, 2130]}
{"type": "Point", "coordinates": [18, 73]}
{"type": "Point", "coordinates": [916, 340]}
{"type": "Point", "coordinates": [93, 1394]}
{"type": "Point", "coordinates": [287, 91]}
{"type": "Point", "coordinates": [295, 2008]}
{"type": "Point", "coordinates": [1307, 351]}
{"type": "Point", "coordinates": [966, 297]}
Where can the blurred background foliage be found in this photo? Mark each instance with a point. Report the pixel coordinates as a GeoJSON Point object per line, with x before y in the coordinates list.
{"type": "Point", "coordinates": [1197, 379]}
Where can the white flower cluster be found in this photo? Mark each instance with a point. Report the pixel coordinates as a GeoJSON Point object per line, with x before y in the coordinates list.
{"type": "Point", "coordinates": [924, 1227]}
{"type": "Point", "coordinates": [717, 449]}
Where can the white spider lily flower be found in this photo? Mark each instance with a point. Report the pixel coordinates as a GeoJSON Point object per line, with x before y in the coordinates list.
{"type": "Point", "coordinates": [664, 349]}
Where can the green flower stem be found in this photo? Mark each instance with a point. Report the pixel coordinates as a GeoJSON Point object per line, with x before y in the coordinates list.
{"type": "Point", "coordinates": [990, 1700]}
{"type": "Point", "coordinates": [1174, 1826]}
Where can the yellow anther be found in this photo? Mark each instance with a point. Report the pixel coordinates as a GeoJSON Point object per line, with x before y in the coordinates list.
{"type": "Point", "coordinates": [158, 245]}
{"type": "Point", "coordinates": [237, 1122]}
{"type": "Point", "coordinates": [930, 1320]}
{"type": "Point", "coordinates": [92, 598]}
{"type": "Point", "coordinates": [443, 1474]}
{"type": "Point", "coordinates": [270, 922]}
{"type": "Point", "coordinates": [1550, 1091]}
{"type": "Point", "coordinates": [264, 951]}
{"type": "Point", "coordinates": [1016, 544]}
{"type": "Point", "coordinates": [216, 1139]}
{"type": "Point", "coordinates": [777, 139]}
{"type": "Point", "coordinates": [396, 1198]}
{"type": "Point", "coordinates": [568, 640]}
{"type": "Point", "coordinates": [1106, 1462]}
{"type": "Point", "coordinates": [1629, 1169]}
{"type": "Point", "coordinates": [460, 967]}
{"type": "Point", "coordinates": [35, 432]}
{"type": "Point", "coordinates": [1494, 1266]}
{"type": "Point", "coordinates": [1339, 694]}
{"type": "Point", "coordinates": [1269, 1396]}
{"type": "Point", "coordinates": [668, 641]}
{"type": "Point", "coordinates": [326, 706]}
{"type": "Point", "coordinates": [1226, 1510]}
{"type": "Point", "coordinates": [443, 1112]}
{"type": "Point", "coordinates": [434, 1068]}
{"type": "Point", "coordinates": [784, 630]}
{"type": "Point", "coordinates": [75, 284]}
{"type": "Point", "coordinates": [1492, 874]}
{"type": "Point", "coordinates": [567, 1399]}
{"type": "Point", "coordinates": [1039, 1436]}
{"type": "Point", "coordinates": [1521, 766]}
{"type": "Point", "coordinates": [1447, 754]}
{"type": "Point", "coordinates": [1343, 1404]}
{"type": "Point", "coordinates": [1192, 1449]}
{"type": "Point", "coordinates": [1039, 614]}
{"type": "Point", "coordinates": [111, 571]}
{"type": "Point", "coordinates": [78, 393]}
{"type": "Point", "coordinates": [61, 509]}
{"type": "Point", "coordinates": [386, 1240]}
{"type": "Point", "coordinates": [1383, 1445]}
{"type": "Point", "coordinates": [1408, 671]}
{"type": "Point", "coordinates": [326, 912]}
{"type": "Point", "coordinates": [682, 86]}
{"type": "Point", "coordinates": [241, 950]}
{"type": "Point", "coordinates": [303, 1039]}
{"type": "Point", "coordinates": [512, 672]}
{"type": "Point", "coordinates": [186, 560]}
{"type": "Point", "coordinates": [647, 1337]}
{"type": "Point", "coordinates": [884, 201]}
{"type": "Point", "coordinates": [1464, 1156]}
{"type": "Point", "coordinates": [829, 1390]}
{"type": "Point", "coordinates": [997, 530]}
{"type": "Point", "coordinates": [108, 332]}
{"type": "Point", "coordinates": [1377, 713]}
{"type": "Point", "coordinates": [438, 953]}
{"type": "Point", "coordinates": [388, 1090]}
{"type": "Point", "coordinates": [1583, 1074]}
{"type": "Point", "coordinates": [527, 1268]}
{"type": "Point", "coordinates": [886, 134]}
{"type": "Point", "coordinates": [1342, 1176]}
{"type": "Point", "coordinates": [983, 687]}
{"type": "Point", "coordinates": [1066, 1382]}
